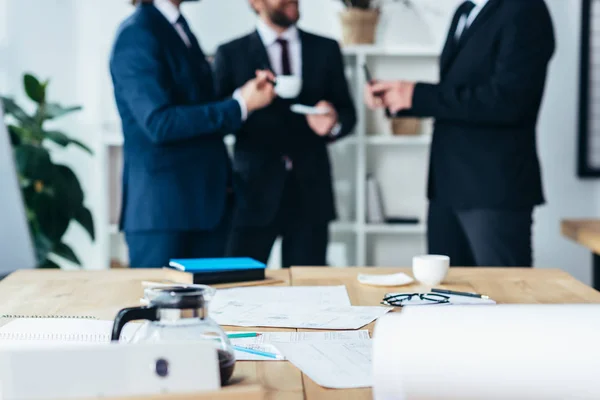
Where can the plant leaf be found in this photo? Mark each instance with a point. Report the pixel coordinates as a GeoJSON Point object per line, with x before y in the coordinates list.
{"type": "Point", "coordinates": [15, 135]}
{"type": "Point", "coordinates": [11, 108]}
{"type": "Point", "coordinates": [33, 162]}
{"type": "Point", "coordinates": [84, 217]}
{"type": "Point", "coordinates": [54, 110]}
{"type": "Point", "coordinates": [43, 246]}
{"type": "Point", "coordinates": [49, 264]}
{"type": "Point", "coordinates": [34, 89]}
{"type": "Point", "coordinates": [53, 217]}
{"type": "Point", "coordinates": [63, 140]}
{"type": "Point", "coordinates": [67, 190]}
{"type": "Point", "coordinates": [64, 251]}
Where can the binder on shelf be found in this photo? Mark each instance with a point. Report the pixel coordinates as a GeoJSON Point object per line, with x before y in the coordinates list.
{"type": "Point", "coordinates": [375, 210]}
{"type": "Point", "coordinates": [221, 270]}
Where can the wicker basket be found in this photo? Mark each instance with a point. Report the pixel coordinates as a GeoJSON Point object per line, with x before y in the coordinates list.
{"type": "Point", "coordinates": [406, 126]}
{"type": "Point", "coordinates": [359, 26]}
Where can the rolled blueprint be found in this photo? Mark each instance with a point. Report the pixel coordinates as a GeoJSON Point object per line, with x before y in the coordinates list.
{"type": "Point", "coordinates": [502, 352]}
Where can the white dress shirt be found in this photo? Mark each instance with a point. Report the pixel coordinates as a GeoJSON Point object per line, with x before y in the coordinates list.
{"type": "Point", "coordinates": [269, 38]}
{"type": "Point", "coordinates": [171, 13]}
{"type": "Point", "coordinates": [467, 20]}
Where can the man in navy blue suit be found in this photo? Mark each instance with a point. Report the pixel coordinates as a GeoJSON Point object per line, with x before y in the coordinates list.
{"type": "Point", "coordinates": [177, 173]}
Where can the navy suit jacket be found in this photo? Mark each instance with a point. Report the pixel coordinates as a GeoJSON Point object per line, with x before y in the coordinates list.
{"type": "Point", "coordinates": [274, 132]}
{"type": "Point", "coordinates": [486, 107]}
{"type": "Point", "coordinates": [176, 168]}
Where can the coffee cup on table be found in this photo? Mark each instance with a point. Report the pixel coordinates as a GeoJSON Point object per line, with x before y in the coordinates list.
{"type": "Point", "coordinates": [288, 86]}
{"type": "Point", "coordinates": [431, 270]}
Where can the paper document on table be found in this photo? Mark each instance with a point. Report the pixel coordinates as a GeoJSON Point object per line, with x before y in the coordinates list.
{"type": "Point", "coordinates": [267, 341]}
{"type": "Point", "coordinates": [295, 316]}
{"type": "Point", "coordinates": [334, 365]}
{"type": "Point", "coordinates": [50, 331]}
{"type": "Point", "coordinates": [301, 295]}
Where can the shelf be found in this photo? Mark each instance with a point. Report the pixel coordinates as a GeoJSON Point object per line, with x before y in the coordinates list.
{"type": "Point", "coordinates": [419, 229]}
{"type": "Point", "coordinates": [393, 51]}
{"type": "Point", "coordinates": [343, 227]}
{"type": "Point", "coordinates": [389, 140]}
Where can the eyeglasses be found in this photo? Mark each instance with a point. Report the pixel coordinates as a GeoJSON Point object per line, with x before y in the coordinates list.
{"type": "Point", "coordinates": [400, 299]}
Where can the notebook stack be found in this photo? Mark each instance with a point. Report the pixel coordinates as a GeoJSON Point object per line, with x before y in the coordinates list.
{"type": "Point", "coordinates": [211, 271]}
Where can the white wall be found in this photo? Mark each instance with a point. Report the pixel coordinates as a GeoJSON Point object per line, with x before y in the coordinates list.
{"type": "Point", "coordinates": [72, 38]}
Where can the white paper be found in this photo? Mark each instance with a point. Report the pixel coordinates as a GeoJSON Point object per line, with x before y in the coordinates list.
{"type": "Point", "coordinates": [334, 365]}
{"type": "Point", "coordinates": [385, 280]}
{"type": "Point", "coordinates": [289, 315]}
{"type": "Point", "coordinates": [499, 352]}
{"type": "Point", "coordinates": [453, 300]}
{"type": "Point", "coordinates": [298, 295]}
{"type": "Point", "coordinates": [53, 331]}
{"type": "Point", "coordinates": [266, 341]}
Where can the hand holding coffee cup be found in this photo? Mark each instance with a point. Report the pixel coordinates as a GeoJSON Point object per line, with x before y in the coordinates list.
{"type": "Point", "coordinates": [431, 270]}
{"type": "Point", "coordinates": [258, 93]}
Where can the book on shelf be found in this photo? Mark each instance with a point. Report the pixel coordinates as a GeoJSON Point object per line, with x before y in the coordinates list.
{"type": "Point", "coordinates": [375, 209]}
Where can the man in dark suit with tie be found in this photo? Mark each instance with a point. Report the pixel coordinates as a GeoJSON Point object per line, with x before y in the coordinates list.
{"type": "Point", "coordinates": [177, 172]}
{"type": "Point", "coordinates": [282, 173]}
{"type": "Point", "coordinates": [485, 175]}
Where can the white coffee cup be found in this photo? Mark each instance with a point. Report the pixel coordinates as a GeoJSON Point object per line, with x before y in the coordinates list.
{"type": "Point", "coordinates": [431, 270]}
{"type": "Point", "coordinates": [288, 86]}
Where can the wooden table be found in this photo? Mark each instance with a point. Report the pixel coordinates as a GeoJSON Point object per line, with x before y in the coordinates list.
{"type": "Point", "coordinates": [103, 293]}
{"type": "Point", "coordinates": [586, 232]}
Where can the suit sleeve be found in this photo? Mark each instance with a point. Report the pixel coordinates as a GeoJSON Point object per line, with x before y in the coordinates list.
{"type": "Point", "coordinates": [141, 80]}
{"type": "Point", "coordinates": [339, 94]}
{"type": "Point", "coordinates": [523, 54]}
{"type": "Point", "coordinates": [222, 72]}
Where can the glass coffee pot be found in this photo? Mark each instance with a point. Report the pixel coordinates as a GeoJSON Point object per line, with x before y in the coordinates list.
{"type": "Point", "coordinates": [175, 314]}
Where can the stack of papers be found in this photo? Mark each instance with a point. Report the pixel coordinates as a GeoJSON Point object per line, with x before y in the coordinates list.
{"type": "Point", "coordinates": [319, 307]}
{"type": "Point", "coordinates": [268, 341]}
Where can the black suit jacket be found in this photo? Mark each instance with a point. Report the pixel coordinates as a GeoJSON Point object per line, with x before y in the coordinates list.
{"type": "Point", "coordinates": [486, 108]}
{"type": "Point", "coordinates": [274, 132]}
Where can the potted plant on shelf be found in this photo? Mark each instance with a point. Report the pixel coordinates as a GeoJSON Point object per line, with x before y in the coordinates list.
{"type": "Point", "coordinates": [360, 19]}
{"type": "Point", "coordinates": [52, 193]}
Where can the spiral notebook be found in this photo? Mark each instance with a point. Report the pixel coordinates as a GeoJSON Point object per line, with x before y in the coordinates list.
{"type": "Point", "coordinates": [58, 331]}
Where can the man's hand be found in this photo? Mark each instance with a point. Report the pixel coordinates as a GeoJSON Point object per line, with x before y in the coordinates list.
{"type": "Point", "coordinates": [397, 95]}
{"type": "Point", "coordinates": [323, 124]}
{"type": "Point", "coordinates": [259, 92]}
{"type": "Point", "coordinates": [373, 99]}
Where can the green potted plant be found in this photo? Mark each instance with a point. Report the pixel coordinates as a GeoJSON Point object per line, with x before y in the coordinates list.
{"type": "Point", "coordinates": [52, 193]}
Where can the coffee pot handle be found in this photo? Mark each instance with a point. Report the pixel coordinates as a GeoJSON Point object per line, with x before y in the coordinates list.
{"type": "Point", "coordinates": [132, 314]}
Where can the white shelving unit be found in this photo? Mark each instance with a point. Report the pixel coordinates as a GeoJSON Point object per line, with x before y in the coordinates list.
{"type": "Point", "coordinates": [356, 232]}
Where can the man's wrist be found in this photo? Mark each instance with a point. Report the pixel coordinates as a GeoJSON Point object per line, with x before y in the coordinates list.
{"type": "Point", "coordinates": [336, 130]}
{"type": "Point", "coordinates": [237, 96]}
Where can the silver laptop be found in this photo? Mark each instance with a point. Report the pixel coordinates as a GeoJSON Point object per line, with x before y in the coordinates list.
{"type": "Point", "coordinates": [16, 247]}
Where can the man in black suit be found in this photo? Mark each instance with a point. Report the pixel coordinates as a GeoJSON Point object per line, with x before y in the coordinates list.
{"type": "Point", "coordinates": [485, 175]}
{"type": "Point", "coordinates": [282, 173]}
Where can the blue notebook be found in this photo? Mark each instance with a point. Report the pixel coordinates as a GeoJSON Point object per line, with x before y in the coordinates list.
{"type": "Point", "coordinates": [204, 265]}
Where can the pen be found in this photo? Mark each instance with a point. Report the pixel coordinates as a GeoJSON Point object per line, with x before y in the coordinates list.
{"type": "Point", "coordinates": [443, 291]}
{"type": "Point", "coordinates": [258, 353]}
{"type": "Point", "coordinates": [242, 335]}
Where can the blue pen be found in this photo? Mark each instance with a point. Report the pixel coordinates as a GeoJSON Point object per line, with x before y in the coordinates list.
{"type": "Point", "coordinates": [257, 352]}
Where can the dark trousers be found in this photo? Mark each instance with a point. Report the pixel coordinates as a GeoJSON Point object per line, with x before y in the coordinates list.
{"type": "Point", "coordinates": [304, 242]}
{"type": "Point", "coordinates": [481, 237]}
{"type": "Point", "coordinates": [154, 249]}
